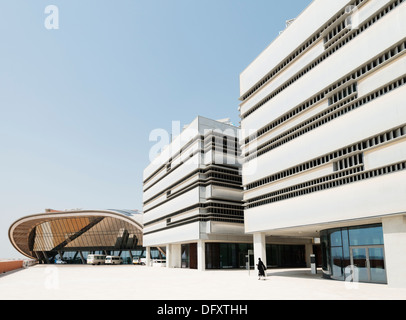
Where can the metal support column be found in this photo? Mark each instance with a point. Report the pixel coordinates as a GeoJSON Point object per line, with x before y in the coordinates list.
{"type": "Point", "coordinates": [81, 257]}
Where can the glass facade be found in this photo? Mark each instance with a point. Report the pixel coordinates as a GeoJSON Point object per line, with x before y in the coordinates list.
{"type": "Point", "coordinates": [227, 255]}
{"type": "Point", "coordinates": [286, 256]}
{"type": "Point", "coordinates": [354, 254]}
{"type": "Point", "coordinates": [75, 257]}
{"type": "Point", "coordinates": [189, 255]}
{"type": "Point", "coordinates": [233, 255]}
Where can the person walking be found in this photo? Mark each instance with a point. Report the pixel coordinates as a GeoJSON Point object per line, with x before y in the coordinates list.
{"type": "Point", "coordinates": [261, 269]}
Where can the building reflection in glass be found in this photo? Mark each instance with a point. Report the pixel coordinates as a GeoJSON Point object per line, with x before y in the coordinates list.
{"type": "Point", "coordinates": [356, 252]}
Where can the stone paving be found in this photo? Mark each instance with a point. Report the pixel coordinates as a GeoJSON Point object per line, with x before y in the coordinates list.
{"type": "Point", "coordinates": [80, 282]}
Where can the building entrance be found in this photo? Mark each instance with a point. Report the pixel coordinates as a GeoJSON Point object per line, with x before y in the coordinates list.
{"type": "Point", "coordinates": [368, 263]}
{"type": "Point", "coordinates": [355, 252]}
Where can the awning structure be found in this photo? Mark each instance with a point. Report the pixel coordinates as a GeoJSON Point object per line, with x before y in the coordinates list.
{"type": "Point", "coordinates": [44, 235]}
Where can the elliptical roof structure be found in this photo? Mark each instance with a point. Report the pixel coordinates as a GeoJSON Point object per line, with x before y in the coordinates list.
{"type": "Point", "coordinates": [40, 235]}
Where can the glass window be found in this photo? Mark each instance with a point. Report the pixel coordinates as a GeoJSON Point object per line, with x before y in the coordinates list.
{"type": "Point", "coordinates": [377, 265]}
{"type": "Point", "coordinates": [185, 255]}
{"type": "Point", "coordinates": [335, 238]}
{"type": "Point", "coordinates": [212, 255]}
{"type": "Point", "coordinates": [360, 264]}
{"type": "Point", "coordinates": [324, 252]}
{"type": "Point", "coordinates": [285, 256]}
{"type": "Point", "coordinates": [227, 255]}
{"type": "Point", "coordinates": [338, 246]}
{"type": "Point", "coordinates": [346, 249]}
{"type": "Point", "coordinates": [366, 235]}
{"type": "Point", "coordinates": [336, 263]}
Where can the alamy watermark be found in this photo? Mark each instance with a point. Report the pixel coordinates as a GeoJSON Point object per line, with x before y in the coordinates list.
{"type": "Point", "coordinates": [225, 149]}
{"type": "Point", "coordinates": [352, 21]}
{"type": "Point", "coordinates": [51, 281]}
{"type": "Point", "coordinates": [351, 277]}
{"type": "Point", "coordinates": [51, 21]}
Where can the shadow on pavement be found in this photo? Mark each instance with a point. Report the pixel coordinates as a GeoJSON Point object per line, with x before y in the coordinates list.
{"type": "Point", "coordinates": [295, 273]}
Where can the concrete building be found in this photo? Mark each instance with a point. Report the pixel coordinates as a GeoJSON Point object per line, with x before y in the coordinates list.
{"type": "Point", "coordinates": [323, 123]}
{"type": "Point", "coordinates": [192, 198]}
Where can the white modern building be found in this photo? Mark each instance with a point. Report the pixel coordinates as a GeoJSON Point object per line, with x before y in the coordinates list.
{"type": "Point", "coordinates": [192, 199]}
{"type": "Point", "coordinates": [323, 122]}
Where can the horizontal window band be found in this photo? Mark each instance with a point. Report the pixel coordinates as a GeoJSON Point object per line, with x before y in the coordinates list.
{"type": "Point", "coordinates": [341, 31]}
{"type": "Point", "coordinates": [357, 147]}
{"type": "Point", "coordinates": [197, 138]}
{"type": "Point", "coordinates": [203, 139]}
{"type": "Point", "coordinates": [233, 182]}
{"type": "Point", "coordinates": [232, 171]}
{"type": "Point", "coordinates": [197, 219]}
{"type": "Point", "coordinates": [307, 184]}
{"type": "Point", "coordinates": [208, 217]}
{"type": "Point", "coordinates": [306, 126]}
{"type": "Point", "coordinates": [355, 76]}
{"type": "Point", "coordinates": [209, 206]}
{"type": "Point", "coordinates": [237, 187]}
{"type": "Point", "coordinates": [333, 184]}
{"type": "Point", "coordinates": [300, 51]}
{"type": "Point", "coordinates": [221, 166]}
{"type": "Point", "coordinates": [354, 33]}
{"type": "Point", "coordinates": [322, 118]}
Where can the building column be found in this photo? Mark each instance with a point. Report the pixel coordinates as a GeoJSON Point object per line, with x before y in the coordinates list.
{"type": "Point", "coordinates": [176, 260]}
{"type": "Point", "coordinates": [394, 234]}
{"type": "Point", "coordinates": [148, 256]}
{"type": "Point", "coordinates": [308, 252]}
{"type": "Point", "coordinates": [46, 257]}
{"type": "Point", "coordinates": [82, 258]}
{"type": "Point", "coordinates": [201, 255]}
{"type": "Point", "coordinates": [259, 248]}
{"type": "Point", "coordinates": [168, 255]}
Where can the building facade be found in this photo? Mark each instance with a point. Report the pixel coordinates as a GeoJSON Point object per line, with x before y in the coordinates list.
{"type": "Point", "coordinates": [323, 123]}
{"type": "Point", "coordinates": [192, 198]}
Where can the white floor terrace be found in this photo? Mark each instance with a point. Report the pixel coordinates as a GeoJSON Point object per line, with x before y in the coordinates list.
{"type": "Point", "coordinates": [79, 282]}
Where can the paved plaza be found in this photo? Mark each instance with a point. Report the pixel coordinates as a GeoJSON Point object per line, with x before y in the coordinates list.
{"type": "Point", "coordinates": [67, 282]}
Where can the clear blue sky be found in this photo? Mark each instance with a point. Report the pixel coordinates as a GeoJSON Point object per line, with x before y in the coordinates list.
{"type": "Point", "coordinates": [77, 104]}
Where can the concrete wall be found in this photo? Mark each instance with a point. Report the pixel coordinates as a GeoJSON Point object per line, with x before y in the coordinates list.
{"type": "Point", "coordinates": [394, 232]}
{"type": "Point", "coordinates": [6, 266]}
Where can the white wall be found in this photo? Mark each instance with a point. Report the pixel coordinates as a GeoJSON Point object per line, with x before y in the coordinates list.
{"type": "Point", "coordinates": [307, 23]}
{"type": "Point", "coordinates": [308, 175]}
{"type": "Point", "coordinates": [287, 125]}
{"type": "Point", "coordinates": [185, 233]}
{"type": "Point", "coordinates": [176, 218]}
{"type": "Point", "coordinates": [373, 41]}
{"type": "Point", "coordinates": [368, 9]}
{"type": "Point", "coordinates": [184, 156]}
{"type": "Point", "coordinates": [174, 176]}
{"type": "Point", "coordinates": [173, 148]}
{"type": "Point", "coordinates": [382, 76]}
{"type": "Point", "coordinates": [368, 198]}
{"type": "Point", "coordinates": [294, 67]}
{"type": "Point", "coordinates": [394, 233]}
{"type": "Point", "coordinates": [387, 154]}
{"type": "Point", "coordinates": [372, 118]}
{"type": "Point", "coordinates": [183, 201]}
